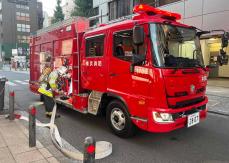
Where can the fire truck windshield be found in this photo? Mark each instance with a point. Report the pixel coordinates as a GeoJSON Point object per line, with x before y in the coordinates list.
{"type": "Point", "coordinates": [175, 47]}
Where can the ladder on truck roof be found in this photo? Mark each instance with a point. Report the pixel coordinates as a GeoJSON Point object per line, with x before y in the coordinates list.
{"type": "Point", "coordinates": [57, 25]}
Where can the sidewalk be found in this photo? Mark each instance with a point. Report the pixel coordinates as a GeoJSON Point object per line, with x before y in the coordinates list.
{"type": "Point", "coordinates": [219, 82]}
{"type": "Point", "coordinates": [14, 145]}
{"type": "Point", "coordinates": [218, 94]}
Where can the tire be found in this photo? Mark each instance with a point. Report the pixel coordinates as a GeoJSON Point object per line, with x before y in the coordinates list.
{"type": "Point", "coordinates": [118, 119]}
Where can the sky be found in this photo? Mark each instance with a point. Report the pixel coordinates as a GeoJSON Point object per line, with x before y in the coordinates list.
{"type": "Point", "coordinates": [49, 6]}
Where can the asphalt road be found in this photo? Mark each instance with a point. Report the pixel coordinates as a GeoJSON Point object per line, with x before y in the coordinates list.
{"type": "Point", "coordinates": [205, 142]}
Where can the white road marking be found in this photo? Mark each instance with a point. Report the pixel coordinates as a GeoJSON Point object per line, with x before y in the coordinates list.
{"type": "Point", "coordinates": [10, 83]}
{"type": "Point", "coordinates": [26, 80]}
{"type": "Point", "coordinates": [21, 82]}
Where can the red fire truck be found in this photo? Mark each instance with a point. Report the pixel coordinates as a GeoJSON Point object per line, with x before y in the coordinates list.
{"type": "Point", "coordinates": [143, 71]}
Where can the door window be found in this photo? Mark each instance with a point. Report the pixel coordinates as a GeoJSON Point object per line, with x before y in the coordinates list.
{"type": "Point", "coordinates": [95, 46]}
{"type": "Point", "coordinates": [124, 47]}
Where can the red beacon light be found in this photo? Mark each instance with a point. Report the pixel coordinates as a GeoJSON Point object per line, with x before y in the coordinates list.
{"type": "Point", "coordinates": [149, 10]}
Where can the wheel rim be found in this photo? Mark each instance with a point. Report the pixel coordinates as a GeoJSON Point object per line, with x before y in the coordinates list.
{"type": "Point", "coordinates": [118, 119]}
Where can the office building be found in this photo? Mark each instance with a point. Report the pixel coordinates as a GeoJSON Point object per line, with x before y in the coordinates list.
{"type": "Point", "coordinates": [18, 19]}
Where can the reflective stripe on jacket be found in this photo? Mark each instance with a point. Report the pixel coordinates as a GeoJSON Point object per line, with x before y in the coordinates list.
{"type": "Point", "coordinates": [45, 92]}
{"type": "Point", "coordinates": [52, 79]}
{"type": "Point", "coordinates": [50, 84]}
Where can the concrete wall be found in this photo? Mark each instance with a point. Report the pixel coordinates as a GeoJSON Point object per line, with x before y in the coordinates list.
{"type": "Point", "coordinates": [204, 14]}
{"type": "Point", "coordinates": [97, 3]}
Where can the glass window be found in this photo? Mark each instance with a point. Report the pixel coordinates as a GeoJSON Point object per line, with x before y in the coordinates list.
{"type": "Point", "coordinates": [95, 46]}
{"type": "Point", "coordinates": [175, 46]}
{"type": "Point", "coordinates": [23, 16]}
{"type": "Point", "coordinates": [119, 8]}
{"type": "Point", "coordinates": [19, 27]}
{"type": "Point", "coordinates": [112, 10]}
{"type": "Point", "coordinates": [124, 47]}
{"type": "Point", "coordinates": [23, 27]}
{"type": "Point", "coordinates": [25, 7]}
{"type": "Point", "coordinates": [123, 8]}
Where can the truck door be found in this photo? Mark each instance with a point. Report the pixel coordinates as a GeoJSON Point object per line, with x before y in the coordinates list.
{"type": "Point", "coordinates": [133, 86]}
{"type": "Point", "coordinates": [93, 65]}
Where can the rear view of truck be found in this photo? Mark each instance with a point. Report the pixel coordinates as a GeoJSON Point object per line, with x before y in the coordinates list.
{"type": "Point", "coordinates": [55, 45]}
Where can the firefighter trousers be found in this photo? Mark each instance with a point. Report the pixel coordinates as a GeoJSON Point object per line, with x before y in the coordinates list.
{"type": "Point", "coordinates": [49, 103]}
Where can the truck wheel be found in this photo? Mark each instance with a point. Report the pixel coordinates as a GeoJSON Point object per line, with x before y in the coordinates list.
{"type": "Point", "coordinates": [119, 120]}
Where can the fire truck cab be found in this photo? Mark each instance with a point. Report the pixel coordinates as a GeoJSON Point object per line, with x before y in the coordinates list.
{"type": "Point", "coordinates": [145, 71]}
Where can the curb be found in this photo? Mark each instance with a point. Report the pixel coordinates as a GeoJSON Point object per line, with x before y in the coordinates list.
{"type": "Point", "coordinates": [218, 113]}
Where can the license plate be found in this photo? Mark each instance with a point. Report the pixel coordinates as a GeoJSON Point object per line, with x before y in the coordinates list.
{"type": "Point", "coordinates": [193, 119]}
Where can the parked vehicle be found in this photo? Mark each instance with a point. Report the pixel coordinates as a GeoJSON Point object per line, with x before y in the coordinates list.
{"type": "Point", "coordinates": [144, 71]}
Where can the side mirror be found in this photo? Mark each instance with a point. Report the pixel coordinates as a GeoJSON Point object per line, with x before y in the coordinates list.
{"type": "Point", "coordinates": [225, 38]}
{"type": "Point", "coordinates": [223, 58]}
{"type": "Point", "coordinates": [138, 35]}
{"type": "Point", "coordinates": [136, 61]}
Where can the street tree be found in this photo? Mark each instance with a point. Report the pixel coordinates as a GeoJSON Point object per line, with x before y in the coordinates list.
{"type": "Point", "coordinates": [83, 8]}
{"type": "Point", "coordinates": [58, 13]}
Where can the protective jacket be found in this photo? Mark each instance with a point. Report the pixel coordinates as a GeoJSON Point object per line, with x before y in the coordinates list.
{"type": "Point", "coordinates": [50, 84]}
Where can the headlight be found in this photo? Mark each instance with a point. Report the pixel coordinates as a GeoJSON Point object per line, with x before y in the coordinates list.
{"type": "Point", "coordinates": [162, 117]}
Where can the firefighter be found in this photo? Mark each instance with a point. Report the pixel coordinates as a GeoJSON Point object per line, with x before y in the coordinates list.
{"type": "Point", "coordinates": [119, 50]}
{"type": "Point", "coordinates": [51, 87]}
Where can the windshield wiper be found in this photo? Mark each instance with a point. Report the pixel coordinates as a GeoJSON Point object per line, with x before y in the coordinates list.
{"type": "Point", "coordinates": [201, 66]}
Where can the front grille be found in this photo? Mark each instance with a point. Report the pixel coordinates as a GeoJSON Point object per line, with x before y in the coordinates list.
{"type": "Point", "coordinates": [188, 112]}
{"type": "Point", "coordinates": [187, 103]}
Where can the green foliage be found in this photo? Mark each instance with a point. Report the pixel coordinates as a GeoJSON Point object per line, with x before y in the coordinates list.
{"type": "Point", "coordinates": [58, 13]}
{"type": "Point", "coordinates": [83, 8]}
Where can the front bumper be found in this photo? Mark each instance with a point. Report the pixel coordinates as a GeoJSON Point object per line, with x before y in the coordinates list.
{"type": "Point", "coordinates": [180, 117]}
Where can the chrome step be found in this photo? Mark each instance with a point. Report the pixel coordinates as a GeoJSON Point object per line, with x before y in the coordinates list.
{"type": "Point", "coordinates": [94, 102]}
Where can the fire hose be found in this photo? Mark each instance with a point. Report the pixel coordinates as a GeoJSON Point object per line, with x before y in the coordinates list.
{"type": "Point", "coordinates": [103, 148]}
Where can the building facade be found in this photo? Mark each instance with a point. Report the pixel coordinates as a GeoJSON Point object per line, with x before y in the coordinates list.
{"type": "Point", "coordinates": [18, 19]}
{"type": "Point", "coordinates": [203, 14]}
{"type": "Point", "coordinates": [113, 9]}
{"type": "Point", "coordinates": [68, 7]}
{"type": "Point", "coordinates": [47, 20]}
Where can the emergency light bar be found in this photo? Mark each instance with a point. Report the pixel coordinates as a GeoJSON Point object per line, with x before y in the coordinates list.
{"type": "Point", "coordinates": [142, 8]}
